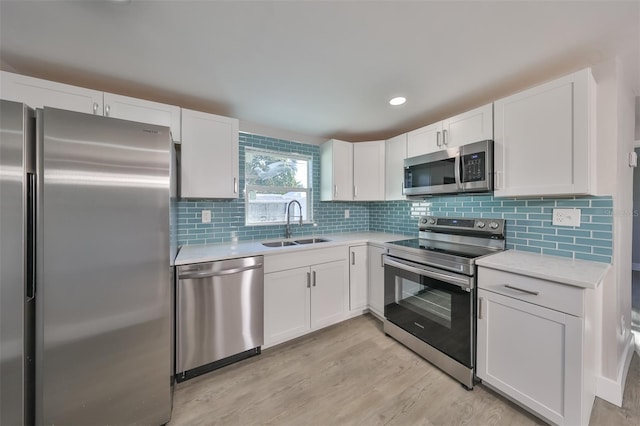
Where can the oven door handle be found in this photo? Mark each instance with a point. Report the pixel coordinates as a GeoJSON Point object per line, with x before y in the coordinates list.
{"type": "Point", "coordinates": [428, 272]}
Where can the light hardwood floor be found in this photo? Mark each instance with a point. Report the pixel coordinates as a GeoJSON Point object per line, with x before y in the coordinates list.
{"type": "Point", "coordinates": [352, 374]}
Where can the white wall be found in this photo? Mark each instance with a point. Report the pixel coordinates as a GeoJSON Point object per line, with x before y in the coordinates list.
{"type": "Point", "coordinates": [615, 133]}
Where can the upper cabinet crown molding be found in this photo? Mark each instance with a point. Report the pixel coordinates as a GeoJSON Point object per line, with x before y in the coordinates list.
{"type": "Point", "coordinates": [470, 126]}
{"type": "Point", "coordinates": [39, 93]}
{"type": "Point", "coordinates": [545, 139]}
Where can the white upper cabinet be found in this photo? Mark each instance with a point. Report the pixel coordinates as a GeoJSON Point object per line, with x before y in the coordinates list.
{"type": "Point", "coordinates": [127, 108]}
{"type": "Point", "coordinates": [545, 139]}
{"type": "Point", "coordinates": [38, 93]}
{"type": "Point", "coordinates": [352, 171]}
{"type": "Point", "coordinates": [368, 171]}
{"type": "Point", "coordinates": [395, 154]}
{"type": "Point", "coordinates": [424, 140]}
{"type": "Point", "coordinates": [209, 156]}
{"type": "Point", "coordinates": [471, 126]}
{"type": "Point", "coordinates": [336, 171]}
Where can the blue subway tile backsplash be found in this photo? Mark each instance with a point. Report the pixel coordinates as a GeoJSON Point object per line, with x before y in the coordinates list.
{"type": "Point", "coordinates": [529, 221]}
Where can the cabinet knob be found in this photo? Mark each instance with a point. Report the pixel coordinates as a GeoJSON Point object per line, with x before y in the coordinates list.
{"type": "Point", "coordinates": [95, 108]}
{"type": "Point", "coordinates": [107, 110]}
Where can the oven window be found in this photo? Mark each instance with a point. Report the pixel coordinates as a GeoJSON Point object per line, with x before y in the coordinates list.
{"type": "Point", "coordinates": [425, 301]}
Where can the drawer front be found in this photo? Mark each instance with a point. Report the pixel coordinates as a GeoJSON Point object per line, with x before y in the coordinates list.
{"type": "Point", "coordinates": [297, 259]}
{"type": "Point", "coordinates": [556, 296]}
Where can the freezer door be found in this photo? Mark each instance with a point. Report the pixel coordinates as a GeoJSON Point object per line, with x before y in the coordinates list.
{"type": "Point", "coordinates": [16, 306]}
{"type": "Point", "coordinates": [103, 308]}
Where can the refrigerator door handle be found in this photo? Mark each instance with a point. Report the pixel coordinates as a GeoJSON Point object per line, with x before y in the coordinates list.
{"type": "Point", "coordinates": [31, 231]}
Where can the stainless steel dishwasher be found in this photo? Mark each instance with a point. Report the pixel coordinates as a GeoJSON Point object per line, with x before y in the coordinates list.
{"type": "Point", "coordinates": [220, 314]}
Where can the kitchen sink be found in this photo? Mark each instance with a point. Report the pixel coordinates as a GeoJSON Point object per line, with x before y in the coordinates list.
{"type": "Point", "coordinates": [311, 241]}
{"type": "Point", "coordinates": [279, 244]}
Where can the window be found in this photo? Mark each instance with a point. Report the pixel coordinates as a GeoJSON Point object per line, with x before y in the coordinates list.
{"type": "Point", "coordinates": [273, 180]}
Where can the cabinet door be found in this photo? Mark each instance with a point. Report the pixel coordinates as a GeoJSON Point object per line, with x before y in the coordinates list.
{"type": "Point", "coordinates": [543, 141]}
{"type": "Point", "coordinates": [368, 171]}
{"type": "Point", "coordinates": [531, 354]}
{"type": "Point", "coordinates": [209, 161]}
{"type": "Point", "coordinates": [395, 154]}
{"type": "Point", "coordinates": [133, 109]}
{"type": "Point", "coordinates": [286, 305]}
{"type": "Point", "coordinates": [358, 277]}
{"type": "Point", "coordinates": [376, 279]}
{"type": "Point", "coordinates": [424, 140]}
{"type": "Point", "coordinates": [471, 126]}
{"type": "Point", "coordinates": [329, 293]}
{"type": "Point", "coordinates": [336, 171]}
{"type": "Point", "coordinates": [38, 93]}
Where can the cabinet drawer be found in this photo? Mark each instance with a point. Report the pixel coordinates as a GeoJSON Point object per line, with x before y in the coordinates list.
{"type": "Point", "coordinates": [302, 258]}
{"type": "Point", "coordinates": [559, 297]}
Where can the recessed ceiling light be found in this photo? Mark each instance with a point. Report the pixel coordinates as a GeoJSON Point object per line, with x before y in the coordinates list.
{"type": "Point", "coordinates": [398, 101]}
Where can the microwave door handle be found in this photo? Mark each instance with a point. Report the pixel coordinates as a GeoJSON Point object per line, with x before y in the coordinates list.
{"type": "Point", "coordinates": [457, 171]}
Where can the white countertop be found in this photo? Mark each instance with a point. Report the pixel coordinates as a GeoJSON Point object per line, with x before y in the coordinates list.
{"type": "Point", "coordinates": [212, 252]}
{"type": "Point", "coordinates": [579, 273]}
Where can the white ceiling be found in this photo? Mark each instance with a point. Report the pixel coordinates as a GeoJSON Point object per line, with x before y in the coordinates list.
{"type": "Point", "coordinates": [318, 68]}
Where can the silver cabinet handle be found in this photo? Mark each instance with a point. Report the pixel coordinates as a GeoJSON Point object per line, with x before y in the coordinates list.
{"type": "Point", "coordinates": [535, 293]}
{"type": "Point", "coordinates": [107, 110]}
{"type": "Point", "coordinates": [353, 257]}
{"type": "Point", "coordinates": [444, 137]}
{"type": "Point", "coordinates": [497, 180]}
{"type": "Point", "coordinates": [480, 299]}
{"type": "Point", "coordinates": [235, 185]}
{"type": "Point", "coordinates": [308, 279]}
{"type": "Point", "coordinates": [355, 191]}
{"type": "Point", "coordinates": [456, 171]}
{"type": "Point", "coordinates": [314, 278]}
{"type": "Point", "coordinates": [95, 108]}
{"type": "Point", "coordinates": [438, 139]}
{"type": "Point", "coordinates": [335, 190]}
{"type": "Point", "coordinates": [382, 260]}
{"type": "Point", "coordinates": [199, 275]}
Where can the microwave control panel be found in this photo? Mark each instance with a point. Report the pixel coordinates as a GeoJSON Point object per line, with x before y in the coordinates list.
{"type": "Point", "coordinates": [473, 167]}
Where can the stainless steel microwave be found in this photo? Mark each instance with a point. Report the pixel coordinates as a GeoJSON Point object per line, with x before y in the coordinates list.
{"type": "Point", "coordinates": [465, 168]}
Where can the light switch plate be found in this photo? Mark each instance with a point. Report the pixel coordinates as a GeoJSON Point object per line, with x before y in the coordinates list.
{"type": "Point", "coordinates": [346, 214]}
{"type": "Point", "coordinates": [633, 159]}
{"type": "Point", "coordinates": [566, 217]}
{"type": "Point", "coordinates": [206, 216]}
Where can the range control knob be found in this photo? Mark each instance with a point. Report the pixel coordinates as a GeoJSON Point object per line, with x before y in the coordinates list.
{"type": "Point", "coordinates": [432, 221]}
{"type": "Point", "coordinates": [494, 225]}
{"type": "Point", "coordinates": [423, 220]}
{"type": "Point", "coordinates": [480, 225]}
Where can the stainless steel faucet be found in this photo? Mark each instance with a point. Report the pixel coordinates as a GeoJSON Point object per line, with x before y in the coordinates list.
{"type": "Point", "coordinates": [287, 230]}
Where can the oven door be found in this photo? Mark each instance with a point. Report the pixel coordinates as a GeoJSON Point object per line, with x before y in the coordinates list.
{"type": "Point", "coordinates": [434, 305]}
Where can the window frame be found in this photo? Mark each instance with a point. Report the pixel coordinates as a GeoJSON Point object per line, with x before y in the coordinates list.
{"type": "Point", "coordinates": [265, 188]}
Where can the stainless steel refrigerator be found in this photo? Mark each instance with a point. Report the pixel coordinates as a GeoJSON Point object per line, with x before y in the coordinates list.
{"type": "Point", "coordinates": [85, 265]}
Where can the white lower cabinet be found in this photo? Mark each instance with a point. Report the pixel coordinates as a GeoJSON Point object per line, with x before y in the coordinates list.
{"type": "Point", "coordinates": [303, 299]}
{"type": "Point", "coordinates": [375, 260]}
{"type": "Point", "coordinates": [535, 355]}
{"type": "Point", "coordinates": [358, 277]}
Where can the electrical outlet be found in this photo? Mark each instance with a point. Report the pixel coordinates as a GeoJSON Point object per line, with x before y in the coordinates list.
{"type": "Point", "coordinates": [206, 216]}
{"type": "Point", "coordinates": [566, 217]}
{"type": "Point", "coordinates": [346, 214]}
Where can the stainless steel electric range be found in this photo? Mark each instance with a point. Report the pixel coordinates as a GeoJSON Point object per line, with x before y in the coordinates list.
{"type": "Point", "coordinates": [430, 290]}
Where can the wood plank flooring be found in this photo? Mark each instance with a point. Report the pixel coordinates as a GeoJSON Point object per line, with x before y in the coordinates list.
{"type": "Point", "coordinates": [352, 374]}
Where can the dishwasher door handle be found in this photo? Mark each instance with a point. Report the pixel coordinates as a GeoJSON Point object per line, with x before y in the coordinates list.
{"type": "Point", "coordinates": [219, 273]}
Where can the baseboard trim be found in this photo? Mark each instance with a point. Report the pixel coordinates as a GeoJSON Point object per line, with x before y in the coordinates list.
{"type": "Point", "coordinates": [613, 390]}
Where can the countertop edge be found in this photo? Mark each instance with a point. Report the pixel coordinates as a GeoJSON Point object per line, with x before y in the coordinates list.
{"type": "Point", "coordinates": [593, 283]}
{"type": "Point", "coordinates": [190, 254]}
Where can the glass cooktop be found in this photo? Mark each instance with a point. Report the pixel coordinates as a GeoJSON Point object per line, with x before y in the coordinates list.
{"type": "Point", "coordinates": [453, 249]}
